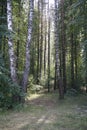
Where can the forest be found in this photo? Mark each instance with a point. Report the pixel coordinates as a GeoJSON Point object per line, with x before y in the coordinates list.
{"type": "Point", "coordinates": [43, 64]}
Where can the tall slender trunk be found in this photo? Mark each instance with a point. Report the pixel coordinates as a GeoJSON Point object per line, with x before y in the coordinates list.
{"type": "Point", "coordinates": [38, 46]}
{"type": "Point", "coordinates": [41, 40]}
{"type": "Point", "coordinates": [10, 43]}
{"type": "Point", "coordinates": [76, 63]}
{"type": "Point", "coordinates": [45, 46]}
{"type": "Point", "coordinates": [28, 43]}
{"type": "Point", "coordinates": [85, 40]}
{"type": "Point", "coordinates": [18, 31]}
{"type": "Point", "coordinates": [61, 93]}
{"type": "Point", "coordinates": [48, 48]}
{"type": "Point", "coordinates": [63, 45]}
{"type": "Point", "coordinates": [72, 61]}
{"type": "Point", "coordinates": [72, 50]}
{"type": "Point", "coordinates": [1, 22]}
{"type": "Point", "coordinates": [55, 78]}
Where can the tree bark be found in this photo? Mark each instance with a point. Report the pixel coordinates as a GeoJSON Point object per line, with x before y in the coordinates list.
{"type": "Point", "coordinates": [45, 46]}
{"type": "Point", "coordinates": [85, 39]}
{"type": "Point", "coordinates": [48, 48]}
{"type": "Point", "coordinates": [41, 39]}
{"type": "Point", "coordinates": [28, 43]}
{"type": "Point", "coordinates": [72, 62]}
{"type": "Point", "coordinates": [61, 91]}
{"type": "Point", "coordinates": [18, 32]}
{"type": "Point", "coordinates": [76, 62]}
{"type": "Point", "coordinates": [55, 79]}
{"type": "Point", "coordinates": [63, 45]}
{"type": "Point", "coordinates": [38, 46]}
{"type": "Point", "coordinates": [10, 43]}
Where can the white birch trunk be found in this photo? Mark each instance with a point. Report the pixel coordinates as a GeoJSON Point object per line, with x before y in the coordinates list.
{"type": "Point", "coordinates": [28, 43]}
{"type": "Point", "coordinates": [10, 43]}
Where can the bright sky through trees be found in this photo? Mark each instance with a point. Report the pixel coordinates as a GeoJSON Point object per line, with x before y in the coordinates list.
{"type": "Point", "coordinates": [51, 1]}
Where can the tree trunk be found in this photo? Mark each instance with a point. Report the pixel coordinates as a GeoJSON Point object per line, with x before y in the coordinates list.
{"type": "Point", "coordinates": [28, 43]}
{"type": "Point", "coordinates": [45, 46]}
{"type": "Point", "coordinates": [10, 43]}
{"type": "Point", "coordinates": [48, 48]}
{"type": "Point", "coordinates": [85, 40]}
{"type": "Point", "coordinates": [76, 63]}
{"type": "Point", "coordinates": [41, 40]}
{"type": "Point", "coordinates": [72, 62]}
{"type": "Point", "coordinates": [63, 45]}
{"type": "Point", "coordinates": [55, 79]}
{"type": "Point", "coordinates": [18, 32]}
{"type": "Point", "coordinates": [61, 91]}
{"type": "Point", "coordinates": [38, 46]}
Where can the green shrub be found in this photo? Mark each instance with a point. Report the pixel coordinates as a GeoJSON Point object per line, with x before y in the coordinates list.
{"type": "Point", "coordinates": [8, 90]}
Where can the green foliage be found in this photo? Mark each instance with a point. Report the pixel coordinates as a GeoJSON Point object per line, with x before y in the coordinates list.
{"type": "Point", "coordinates": [8, 90]}
{"type": "Point", "coordinates": [72, 92]}
{"type": "Point", "coordinates": [32, 86]}
{"type": "Point", "coordinates": [35, 88]}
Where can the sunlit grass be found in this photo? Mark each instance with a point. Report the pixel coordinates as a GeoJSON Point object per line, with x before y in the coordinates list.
{"type": "Point", "coordinates": [46, 112]}
{"type": "Point", "coordinates": [33, 96]}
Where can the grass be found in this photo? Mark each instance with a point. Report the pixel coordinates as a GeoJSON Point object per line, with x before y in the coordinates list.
{"type": "Point", "coordinates": [46, 112]}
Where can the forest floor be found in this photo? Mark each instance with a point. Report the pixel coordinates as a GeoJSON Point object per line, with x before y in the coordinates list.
{"type": "Point", "coordinates": [47, 112]}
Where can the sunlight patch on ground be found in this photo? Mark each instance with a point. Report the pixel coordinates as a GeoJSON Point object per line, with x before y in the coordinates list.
{"type": "Point", "coordinates": [69, 114]}
{"type": "Point", "coordinates": [46, 119]}
{"type": "Point", "coordinates": [42, 119]}
{"type": "Point", "coordinates": [34, 96]}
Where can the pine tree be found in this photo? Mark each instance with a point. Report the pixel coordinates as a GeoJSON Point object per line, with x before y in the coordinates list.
{"type": "Point", "coordinates": [61, 91]}
{"type": "Point", "coordinates": [63, 40]}
{"type": "Point", "coordinates": [48, 47]}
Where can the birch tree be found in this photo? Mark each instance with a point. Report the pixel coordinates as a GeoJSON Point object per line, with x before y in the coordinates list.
{"type": "Point", "coordinates": [28, 43]}
{"type": "Point", "coordinates": [10, 43]}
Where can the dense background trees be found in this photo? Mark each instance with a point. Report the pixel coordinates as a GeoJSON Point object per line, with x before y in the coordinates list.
{"type": "Point", "coordinates": [56, 47]}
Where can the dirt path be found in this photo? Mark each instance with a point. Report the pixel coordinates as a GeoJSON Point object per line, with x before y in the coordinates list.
{"type": "Point", "coordinates": [46, 112]}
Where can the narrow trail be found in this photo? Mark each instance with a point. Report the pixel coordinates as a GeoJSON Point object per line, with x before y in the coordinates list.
{"type": "Point", "coordinates": [46, 112]}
